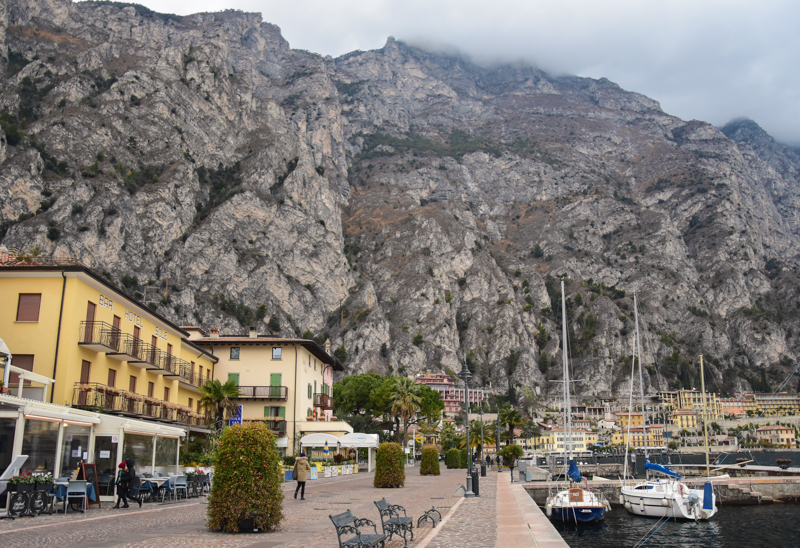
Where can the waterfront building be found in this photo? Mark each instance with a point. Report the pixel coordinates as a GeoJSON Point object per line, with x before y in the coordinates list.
{"type": "Point", "coordinates": [95, 375]}
{"type": "Point", "coordinates": [654, 433]}
{"type": "Point", "coordinates": [771, 405]}
{"type": "Point", "coordinates": [283, 382]}
{"type": "Point", "coordinates": [452, 395]}
{"type": "Point", "coordinates": [777, 435]}
{"type": "Point", "coordinates": [683, 400]}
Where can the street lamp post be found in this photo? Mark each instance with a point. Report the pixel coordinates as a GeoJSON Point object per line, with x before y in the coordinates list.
{"type": "Point", "coordinates": [481, 429]}
{"type": "Point", "coordinates": [465, 375]}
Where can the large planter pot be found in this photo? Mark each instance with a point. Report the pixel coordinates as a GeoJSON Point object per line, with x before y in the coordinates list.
{"type": "Point", "coordinates": [24, 487]}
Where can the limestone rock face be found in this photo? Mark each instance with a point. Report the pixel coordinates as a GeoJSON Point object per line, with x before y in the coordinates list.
{"type": "Point", "coordinates": [413, 207]}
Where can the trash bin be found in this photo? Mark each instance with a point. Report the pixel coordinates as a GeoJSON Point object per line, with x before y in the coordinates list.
{"type": "Point", "coordinates": [483, 470]}
{"type": "Point", "coordinates": [475, 479]}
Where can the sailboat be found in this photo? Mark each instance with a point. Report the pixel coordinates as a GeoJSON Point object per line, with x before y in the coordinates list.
{"type": "Point", "coordinates": [574, 504]}
{"type": "Point", "coordinates": [668, 497]}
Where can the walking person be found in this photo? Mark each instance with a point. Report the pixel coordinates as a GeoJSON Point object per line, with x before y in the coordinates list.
{"type": "Point", "coordinates": [300, 473]}
{"type": "Point", "coordinates": [132, 480]}
{"type": "Point", "coordinates": [122, 485]}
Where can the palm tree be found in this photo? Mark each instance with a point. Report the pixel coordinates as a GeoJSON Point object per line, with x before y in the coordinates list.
{"type": "Point", "coordinates": [511, 418]}
{"type": "Point", "coordinates": [218, 400]}
{"type": "Point", "coordinates": [530, 429]}
{"type": "Point", "coordinates": [447, 436]}
{"type": "Point", "coordinates": [405, 401]}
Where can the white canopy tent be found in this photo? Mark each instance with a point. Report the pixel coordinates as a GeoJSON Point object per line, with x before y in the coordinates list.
{"type": "Point", "coordinates": [357, 440]}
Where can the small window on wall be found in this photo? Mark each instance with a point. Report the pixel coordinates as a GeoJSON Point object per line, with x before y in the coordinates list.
{"type": "Point", "coordinates": [166, 393]}
{"type": "Point", "coordinates": [235, 352]}
{"type": "Point", "coordinates": [28, 307]}
{"type": "Point", "coordinates": [276, 352]}
{"type": "Point", "coordinates": [150, 389]}
{"type": "Point", "coordinates": [191, 401]}
{"type": "Point", "coordinates": [112, 377]}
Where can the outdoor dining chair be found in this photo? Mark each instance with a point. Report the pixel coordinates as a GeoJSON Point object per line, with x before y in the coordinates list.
{"type": "Point", "coordinates": [76, 489]}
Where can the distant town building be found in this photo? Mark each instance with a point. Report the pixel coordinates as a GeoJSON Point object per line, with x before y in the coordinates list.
{"type": "Point", "coordinates": [777, 435]}
{"type": "Point", "coordinates": [452, 396]}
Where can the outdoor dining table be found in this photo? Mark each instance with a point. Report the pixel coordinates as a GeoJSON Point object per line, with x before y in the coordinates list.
{"type": "Point", "coordinates": [59, 489]}
{"type": "Point", "coordinates": [156, 484]}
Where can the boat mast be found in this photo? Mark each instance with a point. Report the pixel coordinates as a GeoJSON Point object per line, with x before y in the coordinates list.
{"type": "Point", "coordinates": [641, 379]}
{"type": "Point", "coordinates": [630, 411]}
{"type": "Point", "coordinates": [567, 410]}
{"type": "Point", "coordinates": [705, 412]}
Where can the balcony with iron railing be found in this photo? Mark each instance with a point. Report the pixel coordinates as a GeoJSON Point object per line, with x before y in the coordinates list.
{"type": "Point", "coordinates": [107, 399]}
{"type": "Point", "coordinates": [263, 392]}
{"type": "Point", "coordinates": [323, 400]}
{"type": "Point", "coordinates": [277, 424]}
{"type": "Point", "coordinates": [99, 336]}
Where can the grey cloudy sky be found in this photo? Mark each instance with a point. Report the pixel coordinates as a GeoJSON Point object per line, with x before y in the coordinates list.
{"type": "Point", "coordinates": [711, 60]}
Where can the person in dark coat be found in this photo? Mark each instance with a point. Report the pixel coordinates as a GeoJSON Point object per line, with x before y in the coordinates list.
{"type": "Point", "coordinates": [121, 484]}
{"type": "Point", "coordinates": [132, 480]}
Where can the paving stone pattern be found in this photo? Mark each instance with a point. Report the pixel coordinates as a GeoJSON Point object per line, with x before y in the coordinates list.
{"type": "Point", "coordinates": [306, 523]}
{"type": "Point", "coordinates": [475, 522]}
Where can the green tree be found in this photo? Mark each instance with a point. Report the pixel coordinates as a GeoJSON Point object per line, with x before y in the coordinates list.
{"type": "Point", "coordinates": [447, 436]}
{"type": "Point", "coordinates": [510, 453]}
{"type": "Point", "coordinates": [217, 400]}
{"type": "Point", "coordinates": [274, 325]}
{"type": "Point", "coordinates": [511, 418]}
{"type": "Point", "coordinates": [531, 430]}
{"type": "Point", "coordinates": [340, 353]}
{"type": "Point", "coordinates": [405, 401]}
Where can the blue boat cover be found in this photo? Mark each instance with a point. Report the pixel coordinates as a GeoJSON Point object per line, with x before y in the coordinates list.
{"type": "Point", "coordinates": [708, 500]}
{"type": "Point", "coordinates": [574, 473]}
{"type": "Point", "coordinates": [660, 468]}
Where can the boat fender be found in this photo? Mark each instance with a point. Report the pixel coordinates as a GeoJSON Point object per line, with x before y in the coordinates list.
{"type": "Point", "coordinates": [622, 500]}
{"type": "Point", "coordinates": [548, 510]}
{"type": "Point", "coordinates": [627, 505]}
{"type": "Point", "coordinates": [608, 506]}
{"type": "Point", "coordinates": [664, 502]}
{"type": "Point", "coordinates": [705, 514]}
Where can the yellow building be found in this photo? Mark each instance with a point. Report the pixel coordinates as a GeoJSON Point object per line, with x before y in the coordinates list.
{"type": "Point", "coordinates": [591, 438]}
{"type": "Point", "coordinates": [777, 435]}
{"type": "Point", "coordinates": [81, 342]}
{"type": "Point", "coordinates": [578, 440]}
{"type": "Point", "coordinates": [781, 404]}
{"type": "Point", "coordinates": [655, 436]}
{"type": "Point", "coordinates": [546, 442]}
{"type": "Point", "coordinates": [284, 382]}
{"type": "Point", "coordinates": [692, 400]}
{"type": "Point", "coordinates": [684, 419]}
{"type": "Point", "coordinates": [629, 419]}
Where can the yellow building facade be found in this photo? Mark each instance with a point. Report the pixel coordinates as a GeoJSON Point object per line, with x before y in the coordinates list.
{"type": "Point", "coordinates": [684, 419]}
{"type": "Point", "coordinates": [629, 419]}
{"type": "Point", "coordinates": [635, 436]}
{"type": "Point", "coordinates": [283, 382]}
{"type": "Point", "coordinates": [81, 343]}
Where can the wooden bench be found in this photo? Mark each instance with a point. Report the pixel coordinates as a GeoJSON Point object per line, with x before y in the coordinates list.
{"type": "Point", "coordinates": [393, 523]}
{"type": "Point", "coordinates": [347, 524]}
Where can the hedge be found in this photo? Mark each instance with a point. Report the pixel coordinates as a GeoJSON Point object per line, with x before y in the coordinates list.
{"type": "Point", "coordinates": [452, 459]}
{"type": "Point", "coordinates": [462, 458]}
{"type": "Point", "coordinates": [390, 467]}
{"type": "Point", "coordinates": [247, 480]}
{"type": "Point", "coordinates": [430, 461]}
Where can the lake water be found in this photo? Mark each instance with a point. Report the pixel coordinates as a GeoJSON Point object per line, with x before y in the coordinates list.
{"type": "Point", "coordinates": [768, 526]}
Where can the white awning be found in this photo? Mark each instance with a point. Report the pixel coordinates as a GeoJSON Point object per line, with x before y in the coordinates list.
{"type": "Point", "coordinates": [318, 439]}
{"type": "Point", "coordinates": [359, 440]}
{"type": "Point", "coordinates": [41, 412]}
{"type": "Point", "coordinates": [282, 442]}
{"type": "Point", "coordinates": [149, 428]}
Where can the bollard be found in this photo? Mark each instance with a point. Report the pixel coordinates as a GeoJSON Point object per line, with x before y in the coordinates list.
{"type": "Point", "coordinates": [483, 470]}
{"type": "Point", "coordinates": [475, 481]}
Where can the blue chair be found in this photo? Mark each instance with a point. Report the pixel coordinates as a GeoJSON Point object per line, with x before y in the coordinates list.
{"type": "Point", "coordinates": [76, 489]}
{"type": "Point", "coordinates": [181, 484]}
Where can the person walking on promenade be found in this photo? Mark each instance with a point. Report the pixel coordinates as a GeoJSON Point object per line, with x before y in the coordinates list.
{"type": "Point", "coordinates": [132, 480]}
{"type": "Point", "coordinates": [122, 485]}
{"type": "Point", "coordinates": [301, 472]}
{"type": "Point", "coordinates": [488, 461]}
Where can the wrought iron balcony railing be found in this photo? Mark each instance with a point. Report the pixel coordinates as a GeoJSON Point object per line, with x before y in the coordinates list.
{"type": "Point", "coordinates": [263, 392]}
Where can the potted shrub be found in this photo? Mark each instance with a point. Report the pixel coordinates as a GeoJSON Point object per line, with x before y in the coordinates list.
{"type": "Point", "coordinates": [338, 458]}
{"type": "Point", "coordinates": [430, 461]}
{"type": "Point", "coordinates": [452, 459]}
{"type": "Point", "coordinates": [741, 461]}
{"type": "Point", "coordinates": [390, 468]}
{"type": "Point", "coordinates": [247, 492]}
{"type": "Point", "coordinates": [783, 463]}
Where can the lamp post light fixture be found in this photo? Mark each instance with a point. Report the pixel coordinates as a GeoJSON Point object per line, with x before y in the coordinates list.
{"type": "Point", "coordinates": [465, 376]}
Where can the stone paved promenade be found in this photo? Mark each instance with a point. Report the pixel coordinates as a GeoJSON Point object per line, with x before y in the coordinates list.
{"type": "Point", "coordinates": [468, 522]}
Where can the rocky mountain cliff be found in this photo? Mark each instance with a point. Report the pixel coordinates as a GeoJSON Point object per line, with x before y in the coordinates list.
{"type": "Point", "coordinates": [413, 207]}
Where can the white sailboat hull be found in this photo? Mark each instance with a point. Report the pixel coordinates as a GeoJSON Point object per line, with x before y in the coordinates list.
{"type": "Point", "coordinates": [657, 499]}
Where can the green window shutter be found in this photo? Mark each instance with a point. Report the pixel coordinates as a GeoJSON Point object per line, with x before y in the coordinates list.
{"type": "Point", "coordinates": [275, 379]}
{"type": "Point", "coordinates": [283, 413]}
{"type": "Point", "coordinates": [309, 391]}
{"type": "Point", "coordinates": [234, 377]}
{"type": "Point", "coordinates": [266, 410]}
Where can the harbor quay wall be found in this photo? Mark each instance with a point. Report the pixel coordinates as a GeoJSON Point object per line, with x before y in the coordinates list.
{"type": "Point", "coordinates": [733, 491]}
